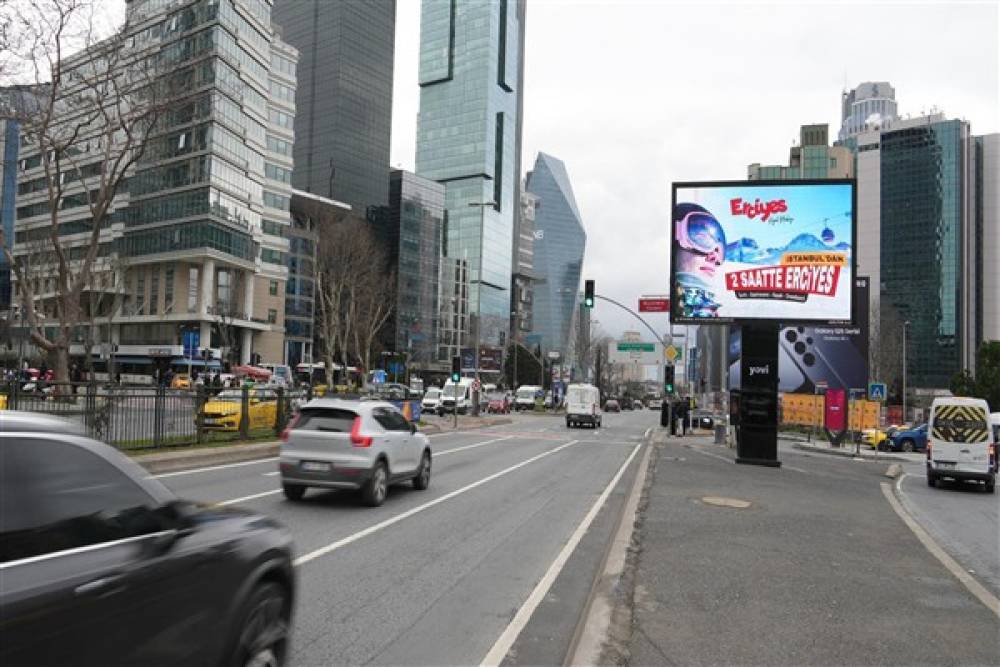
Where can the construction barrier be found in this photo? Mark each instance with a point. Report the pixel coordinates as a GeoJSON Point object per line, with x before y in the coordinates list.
{"type": "Point", "coordinates": [807, 410]}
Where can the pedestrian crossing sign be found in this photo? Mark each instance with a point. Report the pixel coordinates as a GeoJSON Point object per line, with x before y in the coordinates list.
{"type": "Point", "coordinates": [876, 391]}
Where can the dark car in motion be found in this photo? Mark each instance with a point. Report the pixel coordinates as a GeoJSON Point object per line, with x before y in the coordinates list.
{"type": "Point", "coordinates": [102, 565]}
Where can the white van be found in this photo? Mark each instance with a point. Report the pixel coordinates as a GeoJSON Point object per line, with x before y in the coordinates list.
{"type": "Point", "coordinates": [583, 405]}
{"type": "Point", "coordinates": [456, 395]}
{"type": "Point", "coordinates": [524, 399]}
{"type": "Point", "coordinates": [960, 442]}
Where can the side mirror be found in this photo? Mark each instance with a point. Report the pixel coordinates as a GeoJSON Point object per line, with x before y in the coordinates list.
{"type": "Point", "coordinates": [413, 427]}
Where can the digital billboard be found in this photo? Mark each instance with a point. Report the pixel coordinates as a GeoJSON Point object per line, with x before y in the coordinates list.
{"type": "Point", "coordinates": [778, 251]}
{"type": "Point", "coordinates": [812, 357]}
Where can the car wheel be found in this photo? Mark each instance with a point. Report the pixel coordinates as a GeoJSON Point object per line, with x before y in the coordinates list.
{"type": "Point", "coordinates": [374, 492]}
{"type": "Point", "coordinates": [908, 446]}
{"type": "Point", "coordinates": [293, 491]}
{"type": "Point", "coordinates": [931, 479]}
{"type": "Point", "coordinates": [423, 478]}
{"type": "Point", "coordinates": [991, 486]}
{"type": "Point", "coordinates": [263, 638]}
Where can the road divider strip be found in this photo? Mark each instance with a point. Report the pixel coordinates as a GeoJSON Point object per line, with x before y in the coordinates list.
{"type": "Point", "coordinates": [977, 589]}
{"type": "Point", "coordinates": [502, 645]}
{"type": "Point", "coordinates": [339, 544]}
{"type": "Point", "coordinates": [252, 497]}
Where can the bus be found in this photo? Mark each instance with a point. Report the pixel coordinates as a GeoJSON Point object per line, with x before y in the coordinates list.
{"type": "Point", "coordinates": [315, 374]}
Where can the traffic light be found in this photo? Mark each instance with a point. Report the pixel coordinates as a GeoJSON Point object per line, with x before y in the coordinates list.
{"type": "Point", "coordinates": [588, 293]}
{"type": "Point", "coordinates": [668, 380]}
{"type": "Point", "coordinates": [456, 369]}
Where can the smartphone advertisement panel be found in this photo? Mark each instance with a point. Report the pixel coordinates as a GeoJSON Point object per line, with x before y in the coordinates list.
{"type": "Point", "coordinates": [746, 251]}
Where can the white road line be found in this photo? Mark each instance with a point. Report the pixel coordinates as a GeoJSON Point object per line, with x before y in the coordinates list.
{"type": "Point", "coordinates": [210, 468]}
{"type": "Point", "coordinates": [714, 456]}
{"type": "Point", "coordinates": [445, 452]}
{"type": "Point", "coordinates": [322, 551]}
{"type": "Point", "coordinates": [977, 589]}
{"type": "Point", "coordinates": [244, 498]}
{"type": "Point", "coordinates": [272, 474]}
{"type": "Point", "coordinates": [509, 635]}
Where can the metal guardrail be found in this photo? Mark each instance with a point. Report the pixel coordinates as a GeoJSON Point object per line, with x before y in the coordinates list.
{"type": "Point", "coordinates": [137, 417]}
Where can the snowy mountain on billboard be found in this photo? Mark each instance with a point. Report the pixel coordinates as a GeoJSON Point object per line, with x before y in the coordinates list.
{"type": "Point", "coordinates": [747, 251]}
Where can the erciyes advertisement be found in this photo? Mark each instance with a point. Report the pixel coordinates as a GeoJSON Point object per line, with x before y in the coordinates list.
{"type": "Point", "coordinates": [781, 251]}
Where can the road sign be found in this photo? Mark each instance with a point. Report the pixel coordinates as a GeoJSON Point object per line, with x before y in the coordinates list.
{"type": "Point", "coordinates": [476, 386]}
{"type": "Point", "coordinates": [637, 347]}
{"type": "Point", "coordinates": [673, 353]}
{"type": "Point", "coordinates": [876, 391]}
{"type": "Point", "coordinates": [378, 377]}
{"type": "Point", "coordinates": [553, 354]}
{"type": "Point", "coordinates": [654, 304]}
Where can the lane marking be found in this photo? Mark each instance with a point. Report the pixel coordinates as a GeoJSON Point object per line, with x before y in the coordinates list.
{"type": "Point", "coordinates": [244, 498]}
{"type": "Point", "coordinates": [211, 468]}
{"type": "Point", "coordinates": [509, 635]}
{"type": "Point", "coordinates": [333, 546]}
{"type": "Point", "coordinates": [271, 474]}
{"type": "Point", "coordinates": [714, 456]}
{"type": "Point", "coordinates": [455, 450]}
{"type": "Point", "coordinates": [977, 589]}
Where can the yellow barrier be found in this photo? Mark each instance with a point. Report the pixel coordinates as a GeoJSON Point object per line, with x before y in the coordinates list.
{"type": "Point", "coordinates": [807, 410]}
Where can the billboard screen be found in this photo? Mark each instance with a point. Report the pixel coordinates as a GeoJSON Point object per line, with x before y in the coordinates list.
{"type": "Point", "coordinates": [762, 251]}
{"type": "Point", "coordinates": [828, 355]}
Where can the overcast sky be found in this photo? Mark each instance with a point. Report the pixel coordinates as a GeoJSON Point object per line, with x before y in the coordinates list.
{"type": "Point", "coordinates": [635, 95]}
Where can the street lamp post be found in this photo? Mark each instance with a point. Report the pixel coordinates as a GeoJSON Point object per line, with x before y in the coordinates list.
{"type": "Point", "coordinates": [906, 324]}
{"type": "Point", "coordinates": [482, 205]}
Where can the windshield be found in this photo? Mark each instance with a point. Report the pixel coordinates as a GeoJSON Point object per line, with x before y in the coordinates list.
{"type": "Point", "coordinates": [433, 393]}
{"type": "Point", "coordinates": [229, 395]}
{"type": "Point", "coordinates": [454, 390]}
{"type": "Point", "coordinates": [525, 393]}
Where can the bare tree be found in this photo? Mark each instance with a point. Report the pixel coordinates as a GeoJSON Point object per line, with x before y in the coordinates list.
{"type": "Point", "coordinates": [886, 353]}
{"type": "Point", "coordinates": [227, 310]}
{"type": "Point", "coordinates": [88, 121]}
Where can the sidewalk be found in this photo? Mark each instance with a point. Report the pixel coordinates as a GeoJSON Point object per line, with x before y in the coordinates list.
{"type": "Point", "coordinates": [851, 451]}
{"type": "Point", "coordinates": [784, 566]}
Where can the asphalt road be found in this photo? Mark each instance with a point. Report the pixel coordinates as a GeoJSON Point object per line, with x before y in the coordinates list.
{"type": "Point", "coordinates": [963, 519]}
{"type": "Point", "coordinates": [436, 577]}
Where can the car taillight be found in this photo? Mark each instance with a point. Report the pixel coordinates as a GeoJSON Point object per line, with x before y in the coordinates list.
{"type": "Point", "coordinates": [290, 426]}
{"type": "Point", "coordinates": [357, 439]}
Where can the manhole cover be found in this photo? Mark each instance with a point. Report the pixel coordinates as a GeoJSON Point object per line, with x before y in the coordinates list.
{"type": "Point", "coordinates": [726, 502]}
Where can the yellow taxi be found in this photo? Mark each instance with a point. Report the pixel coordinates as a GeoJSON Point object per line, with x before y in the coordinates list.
{"type": "Point", "coordinates": [3, 401]}
{"type": "Point", "coordinates": [873, 437]}
{"type": "Point", "coordinates": [223, 411]}
{"type": "Point", "coordinates": [181, 381]}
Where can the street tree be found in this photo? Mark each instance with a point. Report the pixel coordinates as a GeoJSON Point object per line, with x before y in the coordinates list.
{"type": "Point", "coordinates": [87, 107]}
{"type": "Point", "coordinates": [529, 371]}
{"type": "Point", "coordinates": [985, 383]}
{"type": "Point", "coordinates": [886, 346]}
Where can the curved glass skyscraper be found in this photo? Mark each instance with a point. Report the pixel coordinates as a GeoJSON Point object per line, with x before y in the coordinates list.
{"type": "Point", "coordinates": [559, 245]}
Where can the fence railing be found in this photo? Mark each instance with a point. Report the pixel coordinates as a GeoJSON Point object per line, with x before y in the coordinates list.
{"type": "Point", "coordinates": [139, 417]}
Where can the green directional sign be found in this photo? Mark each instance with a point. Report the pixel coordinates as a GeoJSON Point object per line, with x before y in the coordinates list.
{"type": "Point", "coordinates": [637, 347]}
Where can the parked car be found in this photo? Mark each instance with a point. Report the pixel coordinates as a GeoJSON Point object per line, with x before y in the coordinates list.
{"type": "Point", "coordinates": [702, 419]}
{"type": "Point", "coordinates": [181, 381]}
{"type": "Point", "coordinates": [498, 404]}
{"type": "Point", "coordinates": [224, 411]}
{"type": "Point", "coordinates": [103, 565]}
{"type": "Point", "coordinates": [611, 405]}
{"type": "Point", "coordinates": [908, 439]}
{"type": "Point", "coordinates": [358, 445]}
{"type": "Point", "coordinates": [626, 403]}
{"type": "Point", "coordinates": [431, 400]}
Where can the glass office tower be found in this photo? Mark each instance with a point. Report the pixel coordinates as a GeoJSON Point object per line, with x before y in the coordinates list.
{"type": "Point", "coordinates": [558, 253]}
{"type": "Point", "coordinates": [343, 97]}
{"type": "Point", "coordinates": [926, 221]}
{"type": "Point", "coordinates": [467, 138]}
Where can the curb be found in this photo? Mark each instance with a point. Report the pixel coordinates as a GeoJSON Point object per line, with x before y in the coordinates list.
{"type": "Point", "coordinates": [880, 456]}
{"type": "Point", "coordinates": [176, 461]}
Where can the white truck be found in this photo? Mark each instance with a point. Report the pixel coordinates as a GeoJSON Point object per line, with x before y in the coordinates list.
{"type": "Point", "coordinates": [456, 396]}
{"type": "Point", "coordinates": [524, 399]}
{"type": "Point", "coordinates": [583, 405]}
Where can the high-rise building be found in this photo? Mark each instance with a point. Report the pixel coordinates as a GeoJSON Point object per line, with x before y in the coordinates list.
{"type": "Point", "coordinates": [413, 239]}
{"type": "Point", "coordinates": [987, 215]}
{"type": "Point", "coordinates": [559, 245]}
{"type": "Point", "coordinates": [194, 244]}
{"type": "Point", "coordinates": [9, 139]}
{"type": "Point", "coordinates": [309, 213]}
{"type": "Point", "coordinates": [343, 96]}
{"type": "Point", "coordinates": [872, 105]}
{"type": "Point", "coordinates": [812, 158]}
{"type": "Point", "coordinates": [468, 133]}
{"type": "Point", "coordinates": [524, 263]}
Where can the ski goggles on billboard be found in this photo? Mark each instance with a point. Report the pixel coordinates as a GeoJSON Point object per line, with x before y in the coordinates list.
{"type": "Point", "coordinates": [700, 232]}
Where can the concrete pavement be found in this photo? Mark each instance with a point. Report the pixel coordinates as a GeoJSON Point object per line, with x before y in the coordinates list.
{"type": "Point", "coordinates": [804, 564]}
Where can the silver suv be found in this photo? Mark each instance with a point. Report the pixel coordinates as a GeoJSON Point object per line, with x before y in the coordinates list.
{"type": "Point", "coordinates": [341, 444]}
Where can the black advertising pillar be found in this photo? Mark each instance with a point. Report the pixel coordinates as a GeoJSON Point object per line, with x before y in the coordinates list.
{"type": "Point", "coordinates": [757, 435]}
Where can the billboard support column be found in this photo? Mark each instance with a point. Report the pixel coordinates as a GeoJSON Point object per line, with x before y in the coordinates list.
{"type": "Point", "coordinates": [757, 439]}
